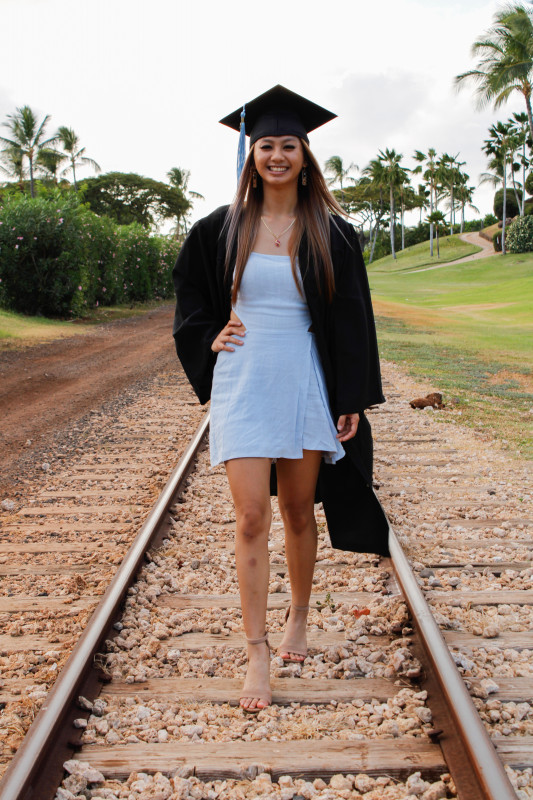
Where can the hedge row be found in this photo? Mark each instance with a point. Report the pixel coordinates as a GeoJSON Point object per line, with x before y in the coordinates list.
{"type": "Point", "coordinates": [58, 258]}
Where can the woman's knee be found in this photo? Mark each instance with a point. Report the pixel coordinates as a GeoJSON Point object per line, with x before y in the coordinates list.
{"type": "Point", "coordinates": [299, 517]}
{"type": "Point", "coordinates": [253, 521]}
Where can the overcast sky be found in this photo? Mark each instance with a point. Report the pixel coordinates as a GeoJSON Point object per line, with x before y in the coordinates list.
{"type": "Point", "coordinates": [144, 83]}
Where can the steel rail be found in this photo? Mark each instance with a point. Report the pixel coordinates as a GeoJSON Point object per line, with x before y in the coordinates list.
{"type": "Point", "coordinates": [482, 755]}
{"type": "Point", "coordinates": [23, 779]}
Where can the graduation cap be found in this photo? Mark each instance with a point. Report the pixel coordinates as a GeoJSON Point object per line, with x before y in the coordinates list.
{"type": "Point", "coordinates": [278, 112]}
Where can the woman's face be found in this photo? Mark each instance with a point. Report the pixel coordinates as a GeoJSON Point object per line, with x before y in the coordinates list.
{"type": "Point", "coordinates": [279, 159]}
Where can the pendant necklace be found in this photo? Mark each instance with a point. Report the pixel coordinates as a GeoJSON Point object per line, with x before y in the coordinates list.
{"type": "Point", "coordinates": [278, 237]}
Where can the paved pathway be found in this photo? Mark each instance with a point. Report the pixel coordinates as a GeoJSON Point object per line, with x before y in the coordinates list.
{"type": "Point", "coordinates": [472, 238]}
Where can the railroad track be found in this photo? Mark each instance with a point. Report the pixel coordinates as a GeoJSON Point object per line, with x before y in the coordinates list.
{"type": "Point", "coordinates": [368, 704]}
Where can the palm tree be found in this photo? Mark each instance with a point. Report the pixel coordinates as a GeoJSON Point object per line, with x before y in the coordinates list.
{"type": "Point", "coordinates": [49, 162]}
{"type": "Point", "coordinates": [334, 166]}
{"type": "Point", "coordinates": [430, 177]}
{"type": "Point", "coordinates": [449, 176]}
{"type": "Point", "coordinates": [13, 160]}
{"type": "Point", "coordinates": [394, 174]}
{"type": "Point", "coordinates": [179, 179]}
{"type": "Point", "coordinates": [498, 145]}
{"type": "Point", "coordinates": [378, 181]}
{"type": "Point", "coordinates": [505, 59]}
{"type": "Point", "coordinates": [522, 135]}
{"type": "Point", "coordinates": [464, 195]}
{"type": "Point", "coordinates": [74, 153]}
{"type": "Point", "coordinates": [437, 218]}
{"type": "Point", "coordinates": [27, 136]}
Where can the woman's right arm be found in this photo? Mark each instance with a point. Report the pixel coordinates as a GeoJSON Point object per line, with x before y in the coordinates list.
{"type": "Point", "coordinates": [225, 338]}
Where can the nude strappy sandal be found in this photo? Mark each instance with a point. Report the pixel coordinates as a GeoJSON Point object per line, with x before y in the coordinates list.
{"type": "Point", "coordinates": [254, 691]}
{"type": "Point", "coordinates": [287, 647]}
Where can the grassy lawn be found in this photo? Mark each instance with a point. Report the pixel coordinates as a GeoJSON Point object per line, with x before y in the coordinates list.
{"type": "Point", "coordinates": [466, 330]}
{"type": "Point", "coordinates": [19, 330]}
{"type": "Point", "coordinates": [417, 256]}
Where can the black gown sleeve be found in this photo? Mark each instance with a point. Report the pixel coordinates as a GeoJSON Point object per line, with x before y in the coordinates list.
{"type": "Point", "coordinates": [353, 335]}
{"type": "Point", "coordinates": [195, 322]}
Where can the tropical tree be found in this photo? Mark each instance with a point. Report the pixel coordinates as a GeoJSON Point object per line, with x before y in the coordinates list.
{"type": "Point", "coordinates": [395, 175]}
{"type": "Point", "coordinates": [505, 59]}
{"type": "Point", "coordinates": [74, 153]}
{"type": "Point", "coordinates": [522, 137]}
{"type": "Point", "coordinates": [334, 166]}
{"type": "Point", "coordinates": [449, 176]}
{"type": "Point", "coordinates": [128, 197]}
{"type": "Point", "coordinates": [437, 219]}
{"type": "Point", "coordinates": [27, 136]}
{"type": "Point", "coordinates": [12, 165]}
{"type": "Point", "coordinates": [464, 195]}
{"type": "Point", "coordinates": [48, 162]}
{"type": "Point", "coordinates": [375, 172]}
{"type": "Point", "coordinates": [499, 145]}
{"type": "Point", "coordinates": [179, 179]}
{"type": "Point", "coordinates": [429, 161]}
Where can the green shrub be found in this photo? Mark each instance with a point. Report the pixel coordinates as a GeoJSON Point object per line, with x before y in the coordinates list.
{"type": "Point", "coordinates": [519, 238]}
{"type": "Point", "coordinates": [497, 241]}
{"type": "Point", "coordinates": [43, 256]}
{"type": "Point", "coordinates": [57, 258]}
{"type": "Point", "coordinates": [511, 206]}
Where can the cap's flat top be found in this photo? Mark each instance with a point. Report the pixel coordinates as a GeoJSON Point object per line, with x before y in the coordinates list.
{"type": "Point", "coordinates": [279, 101]}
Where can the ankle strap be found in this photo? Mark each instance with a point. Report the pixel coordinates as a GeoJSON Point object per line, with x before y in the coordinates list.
{"type": "Point", "coordinates": [300, 608]}
{"type": "Point", "coordinates": [258, 641]}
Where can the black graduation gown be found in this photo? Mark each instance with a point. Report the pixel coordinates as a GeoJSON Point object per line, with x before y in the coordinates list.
{"type": "Point", "coordinates": [346, 341]}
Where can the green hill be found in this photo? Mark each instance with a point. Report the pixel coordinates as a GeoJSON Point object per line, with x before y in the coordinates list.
{"type": "Point", "coordinates": [418, 255]}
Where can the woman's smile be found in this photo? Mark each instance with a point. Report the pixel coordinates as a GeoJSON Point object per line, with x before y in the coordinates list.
{"type": "Point", "coordinates": [278, 157]}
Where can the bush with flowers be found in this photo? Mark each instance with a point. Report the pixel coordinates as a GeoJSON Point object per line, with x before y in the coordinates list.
{"type": "Point", "coordinates": [59, 259]}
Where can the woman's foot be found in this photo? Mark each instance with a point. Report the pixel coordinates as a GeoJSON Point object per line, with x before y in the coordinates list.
{"type": "Point", "coordinates": [256, 693]}
{"type": "Point", "coordinates": [294, 645]}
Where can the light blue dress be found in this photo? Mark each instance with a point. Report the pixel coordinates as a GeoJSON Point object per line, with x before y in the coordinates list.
{"type": "Point", "coordinates": [269, 396]}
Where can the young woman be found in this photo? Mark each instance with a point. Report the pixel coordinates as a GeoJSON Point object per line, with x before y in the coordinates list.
{"type": "Point", "coordinates": [274, 324]}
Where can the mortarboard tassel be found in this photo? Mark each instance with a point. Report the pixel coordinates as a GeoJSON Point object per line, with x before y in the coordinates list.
{"type": "Point", "coordinates": [241, 151]}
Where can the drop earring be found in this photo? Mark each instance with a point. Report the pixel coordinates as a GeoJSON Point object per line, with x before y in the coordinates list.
{"type": "Point", "coordinates": [254, 178]}
{"type": "Point", "coordinates": [304, 177]}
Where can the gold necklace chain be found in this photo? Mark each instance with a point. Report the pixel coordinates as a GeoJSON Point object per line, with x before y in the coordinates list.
{"type": "Point", "coordinates": [278, 237]}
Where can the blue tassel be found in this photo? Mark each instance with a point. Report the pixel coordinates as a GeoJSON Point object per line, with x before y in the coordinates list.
{"type": "Point", "coordinates": [241, 152]}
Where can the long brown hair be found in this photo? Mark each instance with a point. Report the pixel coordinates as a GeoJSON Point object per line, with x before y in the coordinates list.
{"type": "Point", "coordinates": [315, 203]}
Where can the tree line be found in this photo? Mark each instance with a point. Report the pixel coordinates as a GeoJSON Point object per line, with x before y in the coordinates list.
{"type": "Point", "coordinates": [31, 156]}
{"type": "Point", "coordinates": [384, 189]}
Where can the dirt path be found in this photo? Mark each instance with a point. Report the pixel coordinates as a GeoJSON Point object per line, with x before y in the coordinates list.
{"type": "Point", "coordinates": [471, 238]}
{"type": "Point", "coordinates": [45, 388]}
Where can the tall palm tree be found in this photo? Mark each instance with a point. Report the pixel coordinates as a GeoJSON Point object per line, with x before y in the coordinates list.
{"type": "Point", "coordinates": [394, 175]}
{"type": "Point", "coordinates": [449, 176]}
{"type": "Point", "coordinates": [378, 181]}
{"type": "Point", "coordinates": [49, 161]}
{"type": "Point", "coordinates": [334, 166]}
{"type": "Point", "coordinates": [13, 165]}
{"type": "Point", "coordinates": [179, 179]}
{"type": "Point", "coordinates": [520, 128]}
{"type": "Point", "coordinates": [505, 59]}
{"type": "Point", "coordinates": [72, 150]}
{"type": "Point", "coordinates": [499, 144]}
{"type": "Point", "coordinates": [437, 218]}
{"type": "Point", "coordinates": [28, 136]}
{"type": "Point", "coordinates": [464, 195]}
{"type": "Point", "coordinates": [430, 177]}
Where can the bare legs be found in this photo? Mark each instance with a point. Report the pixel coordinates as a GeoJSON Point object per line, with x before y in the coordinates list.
{"type": "Point", "coordinates": [296, 492]}
{"type": "Point", "coordinates": [249, 480]}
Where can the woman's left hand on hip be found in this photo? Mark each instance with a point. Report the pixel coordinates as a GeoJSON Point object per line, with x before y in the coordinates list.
{"type": "Point", "coordinates": [347, 426]}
